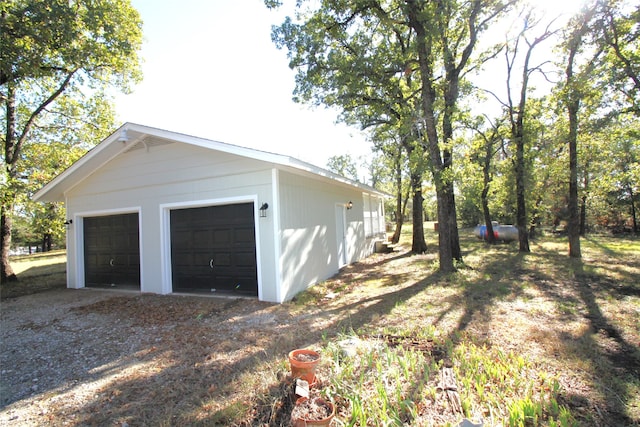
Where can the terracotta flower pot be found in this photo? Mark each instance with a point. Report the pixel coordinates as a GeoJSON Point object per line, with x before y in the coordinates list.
{"type": "Point", "coordinates": [303, 364]}
{"type": "Point", "coordinates": [312, 412]}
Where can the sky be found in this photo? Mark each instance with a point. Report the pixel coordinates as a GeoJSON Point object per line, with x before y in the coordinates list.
{"type": "Point", "coordinates": [211, 70]}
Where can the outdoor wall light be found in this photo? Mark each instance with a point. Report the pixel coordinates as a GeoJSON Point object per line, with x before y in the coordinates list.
{"type": "Point", "coordinates": [123, 136]}
{"type": "Point", "coordinates": [349, 205]}
{"type": "Point", "coordinates": [67, 223]}
{"type": "Point", "coordinates": [263, 210]}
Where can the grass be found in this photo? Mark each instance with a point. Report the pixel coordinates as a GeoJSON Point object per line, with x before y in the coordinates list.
{"type": "Point", "coordinates": [509, 339]}
{"type": "Point", "coordinates": [36, 273]}
{"type": "Point", "coordinates": [533, 340]}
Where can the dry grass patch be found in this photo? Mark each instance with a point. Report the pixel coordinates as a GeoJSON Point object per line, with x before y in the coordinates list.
{"type": "Point", "coordinates": [530, 340]}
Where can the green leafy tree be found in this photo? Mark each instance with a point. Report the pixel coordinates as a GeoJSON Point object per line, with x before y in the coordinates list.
{"type": "Point", "coordinates": [576, 88]}
{"type": "Point", "coordinates": [391, 166]}
{"type": "Point", "coordinates": [344, 165]}
{"type": "Point", "coordinates": [398, 63]}
{"type": "Point", "coordinates": [615, 166]}
{"type": "Point", "coordinates": [482, 153]}
{"type": "Point", "coordinates": [357, 57]}
{"type": "Point", "coordinates": [49, 51]}
{"type": "Point", "coordinates": [617, 29]}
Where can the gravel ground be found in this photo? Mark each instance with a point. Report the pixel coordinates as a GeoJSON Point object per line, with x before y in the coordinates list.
{"type": "Point", "coordinates": [69, 357]}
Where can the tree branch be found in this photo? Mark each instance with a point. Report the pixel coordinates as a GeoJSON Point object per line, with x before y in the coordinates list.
{"type": "Point", "coordinates": [25, 130]}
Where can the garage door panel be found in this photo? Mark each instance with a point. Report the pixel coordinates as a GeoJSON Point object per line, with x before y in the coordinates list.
{"type": "Point", "coordinates": [244, 236]}
{"type": "Point", "coordinates": [199, 238]}
{"type": "Point", "coordinates": [222, 259]}
{"type": "Point", "coordinates": [222, 237]}
{"type": "Point", "coordinates": [245, 259]}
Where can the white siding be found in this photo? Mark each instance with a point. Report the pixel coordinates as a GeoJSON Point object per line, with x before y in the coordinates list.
{"type": "Point", "coordinates": [308, 230]}
{"type": "Point", "coordinates": [297, 242]}
{"type": "Point", "coordinates": [164, 175]}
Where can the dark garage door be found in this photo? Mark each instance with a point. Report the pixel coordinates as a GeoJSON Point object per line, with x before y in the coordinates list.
{"type": "Point", "coordinates": [112, 251]}
{"type": "Point", "coordinates": [213, 249]}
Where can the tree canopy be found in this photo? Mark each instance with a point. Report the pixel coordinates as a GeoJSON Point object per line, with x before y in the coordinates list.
{"type": "Point", "coordinates": [57, 60]}
{"type": "Point", "coordinates": [407, 71]}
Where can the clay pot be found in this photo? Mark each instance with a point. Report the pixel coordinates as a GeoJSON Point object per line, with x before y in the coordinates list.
{"type": "Point", "coordinates": [304, 414]}
{"type": "Point", "coordinates": [303, 364]}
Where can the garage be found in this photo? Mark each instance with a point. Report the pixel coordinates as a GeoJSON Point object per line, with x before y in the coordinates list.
{"type": "Point", "coordinates": [165, 212]}
{"type": "Point", "coordinates": [213, 249]}
{"type": "Point", "coordinates": [112, 251]}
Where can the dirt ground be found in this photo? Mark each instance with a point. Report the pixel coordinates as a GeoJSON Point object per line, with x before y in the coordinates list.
{"type": "Point", "coordinates": [71, 357]}
{"type": "Point", "coordinates": [96, 357]}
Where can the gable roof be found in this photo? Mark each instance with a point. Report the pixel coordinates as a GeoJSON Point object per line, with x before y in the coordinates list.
{"type": "Point", "coordinates": [130, 136]}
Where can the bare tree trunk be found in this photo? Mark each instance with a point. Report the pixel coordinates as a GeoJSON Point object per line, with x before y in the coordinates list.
{"type": "Point", "coordinates": [521, 207]}
{"type": "Point", "coordinates": [633, 209]}
{"type": "Point", "coordinates": [583, 204]}
{"type": "Point", "coordinates": [6, 272]}
{"type": "Point", "coordinates": [428, 95]}
{"type": "Point", "coordinates": [486, 177]}
{"type": "Point", "coordinates": [399, 211]}
{"type": "Point", "coordinates": [418, 244]}
{"type": "Point", "coordinates": [400, 220]}
{"type": "Point", "coordinates": [573, 227]}
{"type": "Point", "coordinates": [573, 106]}
{"type": "Point", "coordinates": [454, 238]}
{"type": "Point", "coordinates": [490, 238]}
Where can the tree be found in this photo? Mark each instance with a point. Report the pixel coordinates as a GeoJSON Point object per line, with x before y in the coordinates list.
{"type": "Point", "coordinates": [49, 51]}
{"type": "Point", "coordinates": [450, 30]}
{"type": "Point", "coordinates": [388, 174]}
{"type": "Point", "coordinates": [343, 165]}
{"type": "Point", "coordinates": [617, 26]}
{"type": "Point", "coordinates": [482, 153]}
{"type": "Point", "coordinates": [362, 57]}
{"type": "Point", "coordinates": [517, 111]}
{"type": "Point", "coordinates": [575, 84]}
{"type": "Point", "coordinates": [355, 57]}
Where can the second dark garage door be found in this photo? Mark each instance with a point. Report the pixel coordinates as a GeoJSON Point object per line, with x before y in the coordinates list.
{"type": "Point", "coordinates": [213, 249]}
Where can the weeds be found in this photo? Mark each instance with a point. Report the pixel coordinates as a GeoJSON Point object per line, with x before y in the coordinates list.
{"type": "Point", "coordinates": [531, 340]}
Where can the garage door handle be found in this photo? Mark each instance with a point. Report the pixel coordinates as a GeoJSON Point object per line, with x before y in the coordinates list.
{"type": "Point", "coordinates": [211, 263]}
{"type": "Point", "coordinates": [111, 262]}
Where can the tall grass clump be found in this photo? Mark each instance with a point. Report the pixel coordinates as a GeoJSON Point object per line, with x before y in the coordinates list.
{"type": "Point", "coordinates": [379, 382]}
{"type": "Point", "coordinates": [398, 385]}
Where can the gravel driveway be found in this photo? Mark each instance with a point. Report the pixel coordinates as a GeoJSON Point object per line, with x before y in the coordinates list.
{"type": "Point", "coordinates": [91, 357]}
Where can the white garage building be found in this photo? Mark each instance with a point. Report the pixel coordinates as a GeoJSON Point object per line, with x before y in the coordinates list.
{"type": "Point", "coordinates": [165, 212]}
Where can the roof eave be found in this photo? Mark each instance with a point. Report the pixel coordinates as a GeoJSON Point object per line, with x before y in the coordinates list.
{"type": "Point", "coordinates": [112, 146]}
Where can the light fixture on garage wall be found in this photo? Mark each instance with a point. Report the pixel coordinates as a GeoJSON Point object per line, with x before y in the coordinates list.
{"type": "Point", "coordinates": [349, 205]}
{"type": "Point", "coordinates": [67, 223]}
{"type": "Point", "coordinates": [123, 136]}
{"type": "Point", "coordinates": [263, 210]}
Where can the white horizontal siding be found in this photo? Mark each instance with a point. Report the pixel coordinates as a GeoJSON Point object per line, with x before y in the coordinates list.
{"type": "Point", "coordinates": [172, 164]}
{"type": "Point", "coordinates": [308, 230]}
{"type": "Point", "coordinates": [164, 175]}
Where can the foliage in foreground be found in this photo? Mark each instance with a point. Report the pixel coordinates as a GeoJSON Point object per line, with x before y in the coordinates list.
{"type": "Point", "coordinates": [508, 369]}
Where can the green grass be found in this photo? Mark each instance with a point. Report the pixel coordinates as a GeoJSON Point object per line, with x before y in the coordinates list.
{"type": "Point", "coordinates": [521, 332]}
{"type": "Point", "coordinates": [36, 273]}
